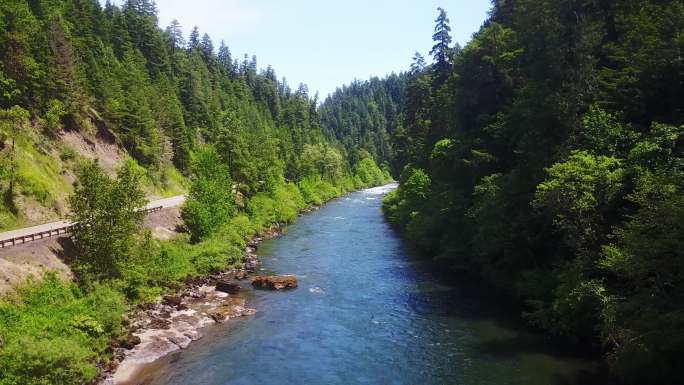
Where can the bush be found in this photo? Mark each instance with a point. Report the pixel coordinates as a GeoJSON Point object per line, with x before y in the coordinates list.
{"type": "Point", "coordinates": [55, 333]}
{"type": "Point", "coordinates": [110, 220]}
{"type": "Point", "coordinates": [53, 116]}
{"type": "Point", "coordinates": [369, 173]}
{"type": "Point", "coordinates": [40, 361]}
{"type": "Point", "coordinates": [210, 203]}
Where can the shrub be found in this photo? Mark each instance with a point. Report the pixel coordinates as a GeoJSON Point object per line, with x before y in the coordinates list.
{"type": "Point", "coordinates": [110, 219]}
{"type": "Point", "coordinates": [210, 203]}
{"type": "Point", "coordinates": [55, 333]}
{"type": "Point", "coordinates": [42, 361]}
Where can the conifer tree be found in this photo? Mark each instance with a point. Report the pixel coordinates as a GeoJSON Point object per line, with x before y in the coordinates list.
{"type": "Point", "coordinates": [441, 50]}
{"type": "Point", "coordinates": [418, 64]}
{"type": "Point", "coordinates": [207, 47]}
{"type": "Point", "coordinates": [194, 39]}
{"type": "Point", "coordinates": [225, 59]}
{"type": "Point", "coordinates": [175, 33]}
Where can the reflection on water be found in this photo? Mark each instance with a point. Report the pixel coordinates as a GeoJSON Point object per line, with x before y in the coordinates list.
{"type": "Point", "coordinates": [366, 313]}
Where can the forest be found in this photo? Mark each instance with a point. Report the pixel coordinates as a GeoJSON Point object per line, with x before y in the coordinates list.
{"type": "Point", "coordinates": [248, 150]}
{"type": "Point", "coordinates": [546, 157]}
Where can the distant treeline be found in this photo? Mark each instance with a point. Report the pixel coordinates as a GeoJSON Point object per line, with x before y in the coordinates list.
{"type": "Point", "coordinates": [547, 157]}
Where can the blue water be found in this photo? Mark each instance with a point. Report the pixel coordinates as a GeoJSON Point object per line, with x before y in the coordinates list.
{"type": "Point", "coordinates": [366, 312]}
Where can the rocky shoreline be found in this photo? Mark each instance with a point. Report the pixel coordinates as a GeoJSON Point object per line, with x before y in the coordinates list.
{"type": "Point", "coordinates": [173, 322]}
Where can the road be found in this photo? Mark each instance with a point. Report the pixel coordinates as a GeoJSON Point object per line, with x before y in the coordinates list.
{"type": "Point", "coordinates": [166, 202]}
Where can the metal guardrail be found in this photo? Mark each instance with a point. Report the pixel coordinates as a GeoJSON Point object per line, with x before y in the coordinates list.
{"type": "Point", "coordinates": [22, 239]}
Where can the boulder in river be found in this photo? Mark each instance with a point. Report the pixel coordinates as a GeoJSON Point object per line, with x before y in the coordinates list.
{"type": "Point", "coordinates": [275, 282]}
{"type": "Point", "coordinates": [227, 287]}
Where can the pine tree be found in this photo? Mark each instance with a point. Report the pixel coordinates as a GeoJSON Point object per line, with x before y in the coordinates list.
{"type": "Point", "coordinates": [194, 39]}
{"type": "Point", "coordinates": [441, 51]}
{"type": "Point", "coordinates": [207, 47]}
{"type": "Point", "coordinates": [225, 58]}
{"type": "Point", "coordinates": [418, 64]}
{"type": "Point", "coordinates": [175, 32]}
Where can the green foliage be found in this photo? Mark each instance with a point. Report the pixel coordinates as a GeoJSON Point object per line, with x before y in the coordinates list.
{"type": "Point", "coordinates": [366, 117]}
{"type": "Point", "coordinates": [54, 333]}
{"type": "Point", "coordinates": [648, 259]}
{"type": "Point", "coordinates": [41, 361]}
{"type": "Point", "coordinates": [12, 123]}
{"type": "Point", "coordinates": [109, 217]}
{"type": "Point", "coordinates": [321, 160]}
{"type": "Point", "coordinates": [402, 206]}
{"type": "Point", "coordinates": [578, 192]}
{"type": "Point", "coordinates": [54, 115]}
{"type": "Point", "coordinates": [370, 174]}
{"type": "Point", "coordinates": [210, 201]}
{"type": "Point", "coordinates": [317, 191]}
{"type": "Point", "coordinates": [550, 157]}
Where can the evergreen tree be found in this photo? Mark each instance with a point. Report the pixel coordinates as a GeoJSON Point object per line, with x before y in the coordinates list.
{"type": "Point", "coordinates": [225, 59]}
{"type": "Point", "coordinates": [194, 39]}
{"type": "Point", "coordinates": [175, 33]}
{"type": "Point", "coordinates": [441, 50]}
{"type": "Point", "coordinates": [418, 64]}
{"type": "Point", "coordinates": [207, 47]}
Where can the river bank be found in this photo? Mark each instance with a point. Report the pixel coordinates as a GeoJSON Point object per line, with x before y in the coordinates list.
{"type": "Point", "coordinates": [177, 320]}
{"type": "Point", "coordinates": [365, 304]}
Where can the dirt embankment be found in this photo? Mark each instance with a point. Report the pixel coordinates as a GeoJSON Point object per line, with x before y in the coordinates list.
{"type": "Point", "coordinates": [18, 263]}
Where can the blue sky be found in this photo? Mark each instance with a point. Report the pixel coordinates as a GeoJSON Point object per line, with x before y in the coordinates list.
{"type": "Point", "coordinates": [325, 43]}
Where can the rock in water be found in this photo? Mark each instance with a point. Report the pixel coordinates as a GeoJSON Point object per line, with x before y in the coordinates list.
{"type": "Point", "coordinates": [227, 287]}
{"type": "Point", "coordinates": [275, 282]}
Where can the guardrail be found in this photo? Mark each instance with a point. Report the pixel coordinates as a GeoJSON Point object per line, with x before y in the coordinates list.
{"type": "Point", "coordinates": [22, 239]}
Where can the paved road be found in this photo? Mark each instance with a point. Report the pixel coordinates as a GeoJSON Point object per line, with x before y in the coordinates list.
{"type": "Point", "coordinates": [166, 202]}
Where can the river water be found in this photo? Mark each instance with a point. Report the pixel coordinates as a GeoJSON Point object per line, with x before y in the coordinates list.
{"type": "Point", "coordinates": [366, 312]}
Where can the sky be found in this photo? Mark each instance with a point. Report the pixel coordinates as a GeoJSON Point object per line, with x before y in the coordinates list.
{"type": "Point", "coordinates": [325, 43]}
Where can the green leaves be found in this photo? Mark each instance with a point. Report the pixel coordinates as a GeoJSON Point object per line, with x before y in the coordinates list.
{"type": "Point", "coordinates": [55, 333]}
{"type": "Point", "coordinates": [110, 217]}
{"type": "Point", "coordinates": [578, 190]}
{"type": "Point", "coordinates": [87, 324]}
{"type": "Point", "coordinates": [210, 202]}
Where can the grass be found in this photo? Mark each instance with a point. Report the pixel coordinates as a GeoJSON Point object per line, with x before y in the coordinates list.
{"type": "Point", "coordinates": [39, 181]}
{"type": "Point", "coordinates": [165, 183]}
{"type": "Point", "coordinates": [55, 333]}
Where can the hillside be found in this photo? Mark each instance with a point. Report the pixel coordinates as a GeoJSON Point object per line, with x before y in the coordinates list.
{"type": "Point", "coordinates": [546, 158]}
{"type": "Point", "coordinates": [78, 80]}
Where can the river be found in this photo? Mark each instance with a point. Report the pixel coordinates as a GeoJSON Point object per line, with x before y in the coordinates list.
{"type": "Point", "coordinates": [366, 312]}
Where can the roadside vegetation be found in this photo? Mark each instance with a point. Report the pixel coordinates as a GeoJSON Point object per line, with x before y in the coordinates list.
{"type": "Point", "coordinates": [248, 150]}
